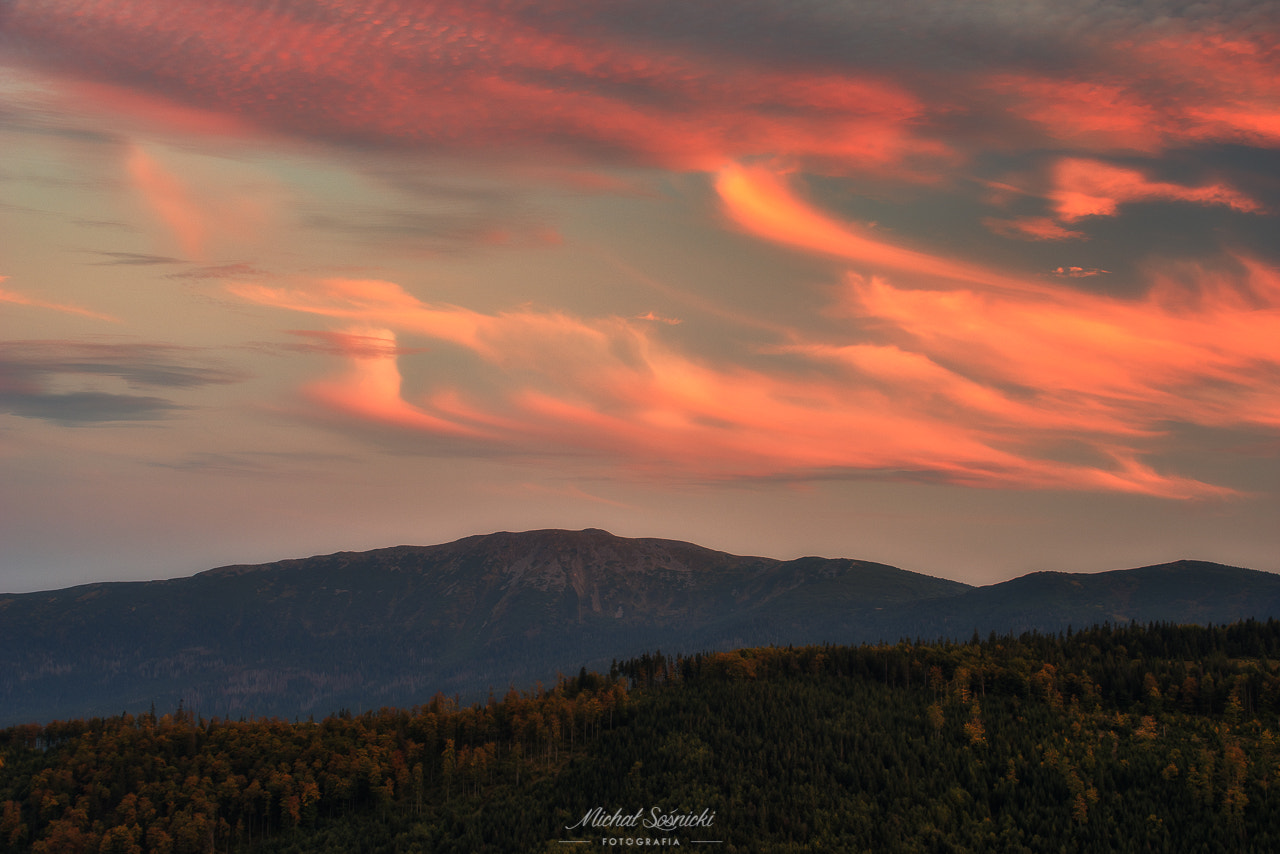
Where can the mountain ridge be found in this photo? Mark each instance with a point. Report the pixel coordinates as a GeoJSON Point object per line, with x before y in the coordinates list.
{"type": "Point", "coordinates": [392, 626]}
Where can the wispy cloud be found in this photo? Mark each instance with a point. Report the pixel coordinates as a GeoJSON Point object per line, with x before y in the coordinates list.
{"type": "Point", "coordinates": [1092, 188]}
{"type": "Point", "coordinates": [761, 201]}
{"type": "Point", "coordinates": [821, 84]}
{"type": "Point", "coordinates": [1077, 272]}
{"type": "Point", "coordinates": [438, 231]}
{"type": "Point", "coordinates": [32, 374]}
{"type": "Point", "coordinates": [1031, 228]}
{"type": "Point", "coordinates": [253, 463]}
{"type": "Point", "coordinates": [134, 259]}
{"type": "Point", "coordinates": [171, 199]}
{"type": "Point", "coordinates": [17, 298]}
{"type": "Point", "coordinates": [957, 396]}
{"type": "Point", "coordinates": [1013, 246]}
{"type": "Point", "coordinates": [217, 271]}
{"type": "Point", "coordinates": [439, 81]}
{"type": "Point", "coordinates": [199, 209]}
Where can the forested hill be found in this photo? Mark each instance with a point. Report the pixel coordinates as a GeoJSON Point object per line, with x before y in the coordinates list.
{"type": "Point", "coordinates": [1131, 739]}
{"type": "Point", "coordinates": [392, 626]}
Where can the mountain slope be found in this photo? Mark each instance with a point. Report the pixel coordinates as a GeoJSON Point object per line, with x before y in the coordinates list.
{"type": "Point", "coordinates": [1185, 591]}
{"type": "Point", "coordinates": [394, 626]}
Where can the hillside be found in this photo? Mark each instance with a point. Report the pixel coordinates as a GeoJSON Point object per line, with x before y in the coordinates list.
{"type": "Point", "coordinates": [395, 626]}
{"type": "Point", "coordinates": [1132, 739]}
{"type": "Point", "coordinates": [1185, 591]}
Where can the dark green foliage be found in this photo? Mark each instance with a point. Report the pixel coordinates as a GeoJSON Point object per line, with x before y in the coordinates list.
{"type": "Point", "coordinates": [1156, 738]}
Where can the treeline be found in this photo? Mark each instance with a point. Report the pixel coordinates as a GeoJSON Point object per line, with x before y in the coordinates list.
{"type": "Point", "coordinates": [176, 784]}
{"type": "Point", "coordinates": [1158, 738]}
{"type": "Point", "coordinates": [1197, 669]}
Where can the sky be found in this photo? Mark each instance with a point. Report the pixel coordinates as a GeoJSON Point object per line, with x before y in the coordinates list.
{"type": "Point", "coordinates": [974, 289]}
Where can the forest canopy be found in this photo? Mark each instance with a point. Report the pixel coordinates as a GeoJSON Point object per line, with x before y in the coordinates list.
{"type": "Point", "coordinates": [1152, 737]}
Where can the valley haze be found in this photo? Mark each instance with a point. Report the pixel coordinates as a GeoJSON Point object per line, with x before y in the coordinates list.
{"type": "Point", "coordinates": [481, 615]}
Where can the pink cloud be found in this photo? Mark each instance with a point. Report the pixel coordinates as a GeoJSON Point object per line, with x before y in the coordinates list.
{"type": "Point", "coordinates": [494, 78]}
{"type": "Point", "coordinates": [973, 389]}
{"type": "Point", "coordinates": [1032, 228]}
{"type": "Point", "coordinates": [1092, 188]}
{"type": "Point", "coordinates": [15, 298]}
{"type": "Point", "coordinates": [760, 201]}
{"type": "Point", "coordinates": [969, 373]}
{"type": "Point", "coordinates": [1132, 362]}
{"type": "Point", "coordinates": [170, 199]}
{"type": "Point", "coordinates": [370, 388]}
{"type": "Point", "coordinates": [469, 78]}
{"type": "Point", "coordinates": [1078, 272]}
{"type": "Point", "coordinates": [1146, 94]}
{"type": "Point", "coordinates": [199, 210]}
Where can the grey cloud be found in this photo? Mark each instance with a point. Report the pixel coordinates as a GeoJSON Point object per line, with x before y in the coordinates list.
{"type": "Point", "coordinates": [254, 462]}
{"type": "Point", "coordinates": [28, 370]}
{"type": "Point", "coordinates": [443, 231]}
{"type": "Point", "coordinates": [23, 119]}
{"type": "Point", "coordinates": [85, 407]}
{"type": "Point", "coordinates": [102, 223]}
{"type": "Point", "coordinates": [217, 271]}
{"type": "Point", "coordinates": [910, 33]}
{"type": "Point", "coordinates": [344, 344]}
{"type": "Point", "coordinates": [134, 259]}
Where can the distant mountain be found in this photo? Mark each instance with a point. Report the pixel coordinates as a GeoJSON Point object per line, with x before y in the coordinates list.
{"type": "Point", "coordinates": [394, 626]}
{"type": "Point", "coordinates": [1186, 591]}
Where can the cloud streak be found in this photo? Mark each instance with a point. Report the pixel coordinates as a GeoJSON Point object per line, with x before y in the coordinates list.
{"type": "Point", "coordinates": [15, 298]}
{"type": "Point", "coordinates": [1091, 188]}
{"type": "Point", "coordinates": [955, 397]}
{"type": "Point", "coordinates": [585, 83]}
{"type": "Point", "coordinates": [970, 371]}
{"type": "Point", "coordinates": [461, 77]}
{"type": "Point", "coordinates": [31, 373]}
{"type": "Point", "coordinates": [199, 209]}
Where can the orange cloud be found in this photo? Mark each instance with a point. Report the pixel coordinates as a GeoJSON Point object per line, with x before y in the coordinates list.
{"type": "Point", "coordinates": [1229, 83]}
{"type": "Point", "coordinates": [1031, 228]}
{"type": "Point", "coordinates": [1148, 94]}
{"type": "Point", "coordinates": [1135, 363]}
{"type": "Point", "coordinates": [370, 389]}
{"type": "Point", "coordinates": [514, 339]}
{"type": "Point", "coordinates": [1091, 188]}
{"type": "Point", "coordinates": [149, 112]}
{"type": "Point", "coordinates": [1091, 114]}
{"type": "Point", "coordinates": [198, 209]}
{"type": "Point", "coordinates": [16, 298]}
{"type": "Point", "coordinates": [170, 199]}
{"type": "Point", "coordinates": [465, 78]}
{"type": "Point", "coordinates": [657, 318]}
{"type": "Point", "coordinates": [760, 201]}
{"type": "Point", "coordinates": [975, 390]}
{"type": "Point", "coordinates": [500, 79]}
{"type": "Point", "coordinates": [1077, 272]}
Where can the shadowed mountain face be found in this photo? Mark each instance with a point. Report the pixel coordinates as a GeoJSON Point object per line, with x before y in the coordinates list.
{"type": "Point", "coordinates": [1186, 591]}
{"type": "Point", "coordinates": [394, 626]}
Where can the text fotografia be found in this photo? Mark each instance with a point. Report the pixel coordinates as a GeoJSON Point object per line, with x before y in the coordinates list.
{"type": "Point", "coordinates": [653, 820]}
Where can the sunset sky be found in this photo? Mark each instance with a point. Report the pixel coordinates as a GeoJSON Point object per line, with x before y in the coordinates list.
{"type": "Point", "coordinates": [971, 288]}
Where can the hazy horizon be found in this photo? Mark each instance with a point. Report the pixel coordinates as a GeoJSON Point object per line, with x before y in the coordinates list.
{"type": "Point", "coordinates": [993, 580]}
